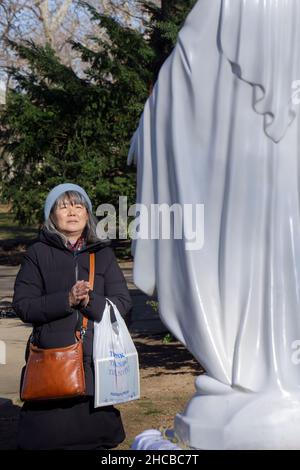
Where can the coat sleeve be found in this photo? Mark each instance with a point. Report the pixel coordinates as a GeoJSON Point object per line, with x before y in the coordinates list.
{"type": "Point", "coordinates": [115, 288]}
{"type": "Point", "coordinates": [29, 301]}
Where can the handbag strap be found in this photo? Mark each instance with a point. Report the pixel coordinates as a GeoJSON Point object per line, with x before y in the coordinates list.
{"type": "Point", "coordinates": [92, 270]}
{"type": "Point", "coordinates": [91, 282]}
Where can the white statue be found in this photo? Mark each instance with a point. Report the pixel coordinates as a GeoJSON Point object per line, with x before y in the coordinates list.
{"type": "Point", "coordinates": [222, 128]}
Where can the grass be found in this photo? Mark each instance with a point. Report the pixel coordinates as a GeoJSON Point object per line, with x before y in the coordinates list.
{"type": "Point", "coordinates": [157, 411]}
{"type": "Point", "coordinates": [10, 230]}
{"type": "Point", "coordinates": [148, 408]}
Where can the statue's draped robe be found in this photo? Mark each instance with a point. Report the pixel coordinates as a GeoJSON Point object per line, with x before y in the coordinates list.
{"type": "Point", "coordinates": [221, 128]}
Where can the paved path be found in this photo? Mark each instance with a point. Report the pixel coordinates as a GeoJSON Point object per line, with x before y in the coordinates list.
{"type": "Point", "coordinates": [7, 279]}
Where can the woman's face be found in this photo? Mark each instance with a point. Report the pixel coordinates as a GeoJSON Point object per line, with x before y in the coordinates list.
{"type": "Point", "coordinates": [70, 218]}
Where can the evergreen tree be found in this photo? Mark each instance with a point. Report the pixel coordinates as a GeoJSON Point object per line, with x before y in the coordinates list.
{"type": "Point", "coordinates": [166, 21]}
{"type": "Point", "coordinates": [58, 127]}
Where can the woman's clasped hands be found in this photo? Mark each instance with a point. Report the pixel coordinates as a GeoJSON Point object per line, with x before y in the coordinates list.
{"type": "Point", "coordinates": [79, 294]}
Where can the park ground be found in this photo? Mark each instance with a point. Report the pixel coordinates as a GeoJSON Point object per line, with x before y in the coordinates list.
{"type": "Point", "coordinates": [167, 370]}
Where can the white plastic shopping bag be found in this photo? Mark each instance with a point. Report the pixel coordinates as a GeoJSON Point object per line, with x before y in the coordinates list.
{"type": "Point", "coordinates": [117, 378]}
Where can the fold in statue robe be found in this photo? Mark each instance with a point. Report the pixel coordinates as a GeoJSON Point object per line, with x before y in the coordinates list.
{"type": "Point", "coordinates": [262, 37]}
{"type": "Point", "coordinates": [220, 129]}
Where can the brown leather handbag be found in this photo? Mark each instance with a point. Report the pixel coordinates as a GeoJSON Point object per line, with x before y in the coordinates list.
{"type": "Point", "coordinates": [57, 373]}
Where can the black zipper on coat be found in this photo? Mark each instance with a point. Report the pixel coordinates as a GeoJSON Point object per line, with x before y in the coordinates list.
{"type": "Point", "coordinates": [75, 255]}
{"type": "Point", "coordinates": [76, 266]}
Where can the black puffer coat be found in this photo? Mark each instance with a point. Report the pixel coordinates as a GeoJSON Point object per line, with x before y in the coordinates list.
{"type": "Point", "coordinates": [42, 288]}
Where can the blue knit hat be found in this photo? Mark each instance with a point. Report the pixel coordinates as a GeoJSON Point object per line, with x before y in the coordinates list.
{"type": "Point", "coordinates": [58, 191]}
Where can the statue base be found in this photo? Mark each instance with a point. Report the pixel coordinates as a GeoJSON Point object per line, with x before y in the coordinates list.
{"type": "Point", "coordinates": [219, 417]}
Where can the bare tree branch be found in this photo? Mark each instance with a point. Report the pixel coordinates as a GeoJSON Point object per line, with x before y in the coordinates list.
{"type": "Point", "coordinates": [56, 22]}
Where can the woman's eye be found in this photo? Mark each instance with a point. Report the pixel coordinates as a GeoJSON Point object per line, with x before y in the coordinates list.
{"type": "Point", "coordinates": [77, 206]}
